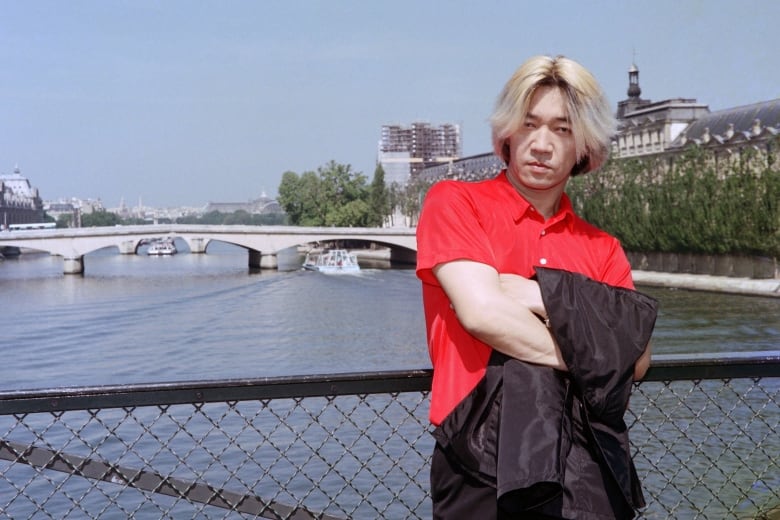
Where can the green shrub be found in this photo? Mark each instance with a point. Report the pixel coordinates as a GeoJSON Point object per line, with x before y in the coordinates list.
{"type": "Point", "coordinates": [692, 202]}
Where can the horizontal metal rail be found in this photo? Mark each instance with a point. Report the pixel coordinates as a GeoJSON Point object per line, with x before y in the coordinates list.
{"type": "Point", "coordinates": [110, 396]}
{"type": "Point", "coordinates": [663, 368]}
{"type": "Point", "coordinates": [26, 441]}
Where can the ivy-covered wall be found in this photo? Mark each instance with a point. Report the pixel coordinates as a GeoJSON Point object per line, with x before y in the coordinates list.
{"type": "Point", "coordinates": [693, 202]}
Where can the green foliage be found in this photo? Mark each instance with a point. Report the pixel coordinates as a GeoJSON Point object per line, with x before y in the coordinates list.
{"type": "Point", "coordinates": [135, 221]}
{"type": "Point", "coordinates": [412, 198]}
{"type": "Point", "coordinates": [100, 218]}
{"type": "Point", "coordinates": [333, 196]}
{"type": "Point", "coordinates": [64, 221]}
{"type": "Point", "coordinates": [394, 194]}
{"type": "Point", "coordinates": [337, 196]}
{"type": "Point", "coordinates": [212, 218]}
{"type": "Point", "coordinates": [691, 203]}
{"type": "Point", "coordinates": [378, 198]}
{"type": "Point", "coordinates": [240, 217]}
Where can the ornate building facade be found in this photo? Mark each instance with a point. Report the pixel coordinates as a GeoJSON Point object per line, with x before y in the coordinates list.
{"type": "Point", "coordinates": [647, 127]}
{"type": "Point", "coordinates": [19, 201]}
{"type": "Point", "coordinates": [728, 132]}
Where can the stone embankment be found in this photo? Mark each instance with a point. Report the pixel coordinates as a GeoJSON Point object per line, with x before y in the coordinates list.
{"type": "Point", "coordinates": [704, 282]}
{"type": "Point", "coordinates": [736, 275]}
{"type": "Point", "coordinates": [756, 276]}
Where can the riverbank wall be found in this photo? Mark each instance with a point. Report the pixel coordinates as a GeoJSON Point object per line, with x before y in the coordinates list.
{"type": "Point", "coordinates": [746, 275]}
{"type": "Point", "coordinates": [757, 267]}
{"type": "Point", "coordinates": [704, 282]}
{"type": "Point", "coordinates": [753, 276]}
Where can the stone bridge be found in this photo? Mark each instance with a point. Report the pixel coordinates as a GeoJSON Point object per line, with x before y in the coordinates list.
{"type": "Point", "coordinates": [261, 242]}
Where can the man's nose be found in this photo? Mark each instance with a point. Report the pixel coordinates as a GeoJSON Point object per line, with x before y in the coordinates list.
{"type": "Point", "coordinates": [542, 140]}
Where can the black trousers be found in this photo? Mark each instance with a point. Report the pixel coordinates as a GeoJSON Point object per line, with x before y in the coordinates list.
{"type": "Point", "coordinates": [458, 496]}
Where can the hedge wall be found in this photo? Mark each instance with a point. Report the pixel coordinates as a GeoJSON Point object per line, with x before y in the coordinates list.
{"type": "Point", "coordinates": [694, 202]}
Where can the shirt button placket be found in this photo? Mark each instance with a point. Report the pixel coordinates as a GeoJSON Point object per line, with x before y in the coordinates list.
{"type": "Point", "coordinates": [543, 260]}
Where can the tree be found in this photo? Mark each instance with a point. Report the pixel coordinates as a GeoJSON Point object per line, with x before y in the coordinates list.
{"type": "Point", "coordinates": [212, 218]}
{"type": "Point", "coordinates": [238, 217]}
{"type": "Point", "coordinates": [313, 200]}
{"type": "Point", "coordinates": [395, 200]}
{"type": "Point", "coordinates": [411, 201]}
{"type": "Point", "coordinates": [378, 199]}
{"type": "Point", "coordinates": [333, 196]}
{"type": "Point", "coordinates": [100, 218]}
{"type": "Point", "coordinates": [65, 220]}
{"type": "Point", "coordinates": [290, 197]}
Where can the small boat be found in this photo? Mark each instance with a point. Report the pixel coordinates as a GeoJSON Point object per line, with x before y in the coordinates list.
{"type": "Point", "coordinates": [162, 247]}
{"type": "Point", "coordinates": [332, 261]}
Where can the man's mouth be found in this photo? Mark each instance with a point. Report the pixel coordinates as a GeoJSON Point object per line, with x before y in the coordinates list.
{"type": "Point", "coordinates": [538, 165]}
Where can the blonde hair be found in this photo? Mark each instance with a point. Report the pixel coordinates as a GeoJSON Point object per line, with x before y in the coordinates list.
{"type": "Point", "coordinates": [590, 115]}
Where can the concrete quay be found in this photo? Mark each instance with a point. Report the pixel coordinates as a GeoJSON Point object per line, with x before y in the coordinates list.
{"type": "Point", "coordinates": [702, 282]}
{"type": "Point", "coordinates": [768, 287]}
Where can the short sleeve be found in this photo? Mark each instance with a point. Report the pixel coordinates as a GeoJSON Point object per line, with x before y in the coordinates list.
{"type": "Point", "coordinates": [450, 229]}
{"type": "Point", "coordinates": [617, 269]}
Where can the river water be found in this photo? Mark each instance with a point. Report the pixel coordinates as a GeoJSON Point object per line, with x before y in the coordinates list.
{"type": "Point", "coordinates": [139, 319]}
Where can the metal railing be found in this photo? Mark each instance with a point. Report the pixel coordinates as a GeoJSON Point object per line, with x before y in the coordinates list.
{"type": "Point", "coordinates": [703, 433]}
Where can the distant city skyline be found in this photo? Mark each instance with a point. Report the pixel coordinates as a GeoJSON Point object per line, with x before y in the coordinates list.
{"type": "Point", "coordinates": [182, 104]}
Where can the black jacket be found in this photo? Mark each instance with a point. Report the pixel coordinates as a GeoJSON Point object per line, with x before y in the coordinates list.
{"type": "Point", "coordinates": [552, 441]}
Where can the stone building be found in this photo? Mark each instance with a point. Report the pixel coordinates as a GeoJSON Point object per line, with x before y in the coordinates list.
{"type": "Point", "coordinates": [730, 131]}
{"type": "Point", "coordinates": [647, 127]}
{"type": "Point", "coordinates": [19, 201]}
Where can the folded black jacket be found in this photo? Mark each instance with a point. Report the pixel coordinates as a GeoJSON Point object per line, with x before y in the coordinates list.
{"type": "Point", "coordinates": [524, 426]}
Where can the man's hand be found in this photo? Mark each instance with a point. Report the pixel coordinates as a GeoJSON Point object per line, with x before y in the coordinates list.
{"type": "Point", "coordinates": [642, 364]}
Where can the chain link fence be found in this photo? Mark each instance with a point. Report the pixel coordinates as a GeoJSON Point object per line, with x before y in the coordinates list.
{"type": "Point", "coordinates": [703, 432]}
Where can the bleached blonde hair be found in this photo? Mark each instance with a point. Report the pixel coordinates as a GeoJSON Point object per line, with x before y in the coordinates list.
{"type": "Point", "coordinates": [588, 110]}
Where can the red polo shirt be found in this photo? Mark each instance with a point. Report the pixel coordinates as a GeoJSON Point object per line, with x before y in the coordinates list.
{"type": "Point", "coordinates": [491, 223]}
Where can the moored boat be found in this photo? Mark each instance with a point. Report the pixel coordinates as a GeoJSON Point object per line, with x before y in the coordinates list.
{"type": "Point", "coordinates": [332, 261]}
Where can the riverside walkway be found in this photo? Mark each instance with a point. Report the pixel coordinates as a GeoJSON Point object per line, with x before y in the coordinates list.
{"type": "Point", "coordinates": [702, 282]}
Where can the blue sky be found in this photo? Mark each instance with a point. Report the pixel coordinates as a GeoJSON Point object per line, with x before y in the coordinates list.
{"type": "Point", "coordinates": [185, 102]}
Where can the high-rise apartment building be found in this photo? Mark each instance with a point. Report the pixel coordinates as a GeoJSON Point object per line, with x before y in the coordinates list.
{"type": "Point", "coordinates": [404, 151]}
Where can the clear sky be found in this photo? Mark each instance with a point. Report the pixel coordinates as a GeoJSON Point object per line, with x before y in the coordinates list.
{"type": "Point", "coordinates": [180, 102]}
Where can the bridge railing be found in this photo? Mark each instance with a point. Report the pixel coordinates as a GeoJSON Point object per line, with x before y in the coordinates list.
{"type": "Point", "coordinates": [703, 431]}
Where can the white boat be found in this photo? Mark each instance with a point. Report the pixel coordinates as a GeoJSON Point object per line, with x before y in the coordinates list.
{"type": "Point", "coordinates": [162, 247]}
{"type": "Point", "coordinates": [332, 261]}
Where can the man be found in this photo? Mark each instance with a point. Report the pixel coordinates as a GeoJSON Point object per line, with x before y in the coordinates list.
{"type": "Point", "coordinates": [478, 247]}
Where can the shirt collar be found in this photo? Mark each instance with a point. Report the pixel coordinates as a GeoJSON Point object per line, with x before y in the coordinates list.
{"type": "Point", "coordinates": [565, 211]}
{"type": "Point", "coordinates": [522, 207]}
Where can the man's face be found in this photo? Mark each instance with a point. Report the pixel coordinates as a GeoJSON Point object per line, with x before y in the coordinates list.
{"type": "Point", "coordinates": [542, 150]}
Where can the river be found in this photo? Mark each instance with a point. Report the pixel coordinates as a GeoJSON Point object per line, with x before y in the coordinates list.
{"type": "Point", "coordinates": [138, 319]}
